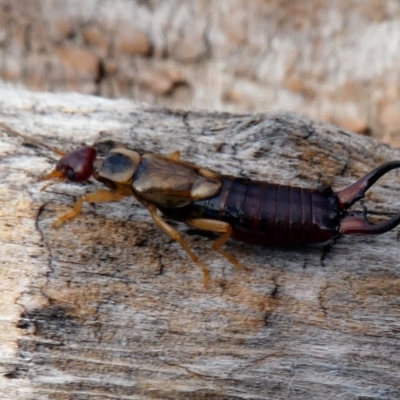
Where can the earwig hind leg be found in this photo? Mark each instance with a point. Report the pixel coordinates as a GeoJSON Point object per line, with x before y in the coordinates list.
{"type": "Point", "coordinates": [217, 227]}
{"type": "Point", "coordinates": [99, 196]}
{"type": "Point", "coordinates": [175, 155]}
{"type": "Point", "coordinates": [174, 234]}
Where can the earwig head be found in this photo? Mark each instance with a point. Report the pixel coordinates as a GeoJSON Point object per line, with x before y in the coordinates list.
{"type": "Point", "coordinates": [76, 166]}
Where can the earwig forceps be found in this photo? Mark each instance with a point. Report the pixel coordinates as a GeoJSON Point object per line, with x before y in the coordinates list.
{"type": "Point", "coordinates": [358, 223]}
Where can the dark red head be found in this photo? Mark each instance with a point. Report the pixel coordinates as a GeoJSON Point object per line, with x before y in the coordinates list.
{"type": "Point", "coordinates": [76, 166]}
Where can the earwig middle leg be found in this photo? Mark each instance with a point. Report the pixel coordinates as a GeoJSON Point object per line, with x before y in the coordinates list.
{"type": "Point", "coordinates": [217, 227]}
{"type": "Point", "coordinates": [174, 234]}
{"type": "Point", "coordinates": [99, 196]}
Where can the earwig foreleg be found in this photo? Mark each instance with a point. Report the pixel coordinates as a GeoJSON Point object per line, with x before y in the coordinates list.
{"type": "Point", "coordinates": [99, 196]}
{"type": "Point", "coordinates": [174, 234]}
{"type": "Point", "coordinates": [217, 227]}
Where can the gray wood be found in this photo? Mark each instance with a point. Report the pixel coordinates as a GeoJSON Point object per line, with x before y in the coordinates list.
{"type": "Point", "coordinates": [333, 60]}
{"type": "Point", "coordinates": [108, 307]}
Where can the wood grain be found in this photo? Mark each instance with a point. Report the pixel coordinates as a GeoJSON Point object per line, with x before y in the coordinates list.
{"type": "Point", "coordinates": [337, 61]}
{"type": "Point", "coordinates": [108, 307]}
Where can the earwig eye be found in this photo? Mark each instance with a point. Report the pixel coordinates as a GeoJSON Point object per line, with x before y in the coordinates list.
{"type": "Point", "coordinates": [71, 175]}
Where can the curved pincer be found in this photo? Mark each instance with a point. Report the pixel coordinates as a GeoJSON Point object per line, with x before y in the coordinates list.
{"type": "Point", "coordinates": [357, 222]}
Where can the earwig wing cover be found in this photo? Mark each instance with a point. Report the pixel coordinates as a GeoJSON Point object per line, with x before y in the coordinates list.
{"type": "Point", "coordinates": [204, 188]}
{"type": "Point", "coordinates": [171, 183]}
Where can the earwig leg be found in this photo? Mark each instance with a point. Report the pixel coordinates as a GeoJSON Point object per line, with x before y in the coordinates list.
{"type": "Point", "coordinates": [176, 155]}
{"type": "Point", "coordinates": [99, 196]}
{"type": "Point", "coordinates": [174, 234]}
{"type": "Point", "coordinates": [218, 227]}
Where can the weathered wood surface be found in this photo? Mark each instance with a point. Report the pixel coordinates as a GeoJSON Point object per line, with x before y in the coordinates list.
{"type": "Point", "coordinates": [107, 307]}
{"type": "Point", "coordinates": [332, 60]}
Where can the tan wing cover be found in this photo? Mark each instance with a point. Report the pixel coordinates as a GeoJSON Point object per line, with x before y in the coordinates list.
{"type": "Point", "coordinates": [171, 183]}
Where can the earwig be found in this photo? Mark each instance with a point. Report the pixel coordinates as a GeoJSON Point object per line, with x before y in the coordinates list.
{"type": "Point", "coordinates": [251, 211]}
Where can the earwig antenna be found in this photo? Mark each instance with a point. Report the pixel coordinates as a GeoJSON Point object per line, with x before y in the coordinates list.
{"type": "Point", "coordinates": [31, 140]}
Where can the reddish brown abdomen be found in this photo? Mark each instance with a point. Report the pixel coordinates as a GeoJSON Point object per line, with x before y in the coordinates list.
{"type": "Point", "coordinates": [271, 214]}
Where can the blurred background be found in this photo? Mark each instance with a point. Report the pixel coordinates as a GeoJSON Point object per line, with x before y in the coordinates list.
{"type": "Point", "coordinates": [337, 61]}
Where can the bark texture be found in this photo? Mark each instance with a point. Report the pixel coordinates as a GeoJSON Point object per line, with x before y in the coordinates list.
{"type": "Point", "coordinates": [107, 307]}
{"type": "Point", "coordinates": [336, 61]}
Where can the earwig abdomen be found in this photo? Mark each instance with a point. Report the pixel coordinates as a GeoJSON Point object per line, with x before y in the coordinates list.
{"type": "Point", "coordinates": [270, 214]}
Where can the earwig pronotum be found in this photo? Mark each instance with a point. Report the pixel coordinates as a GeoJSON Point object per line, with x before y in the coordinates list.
{"type": "Point", "coordinates": [251, 211]}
